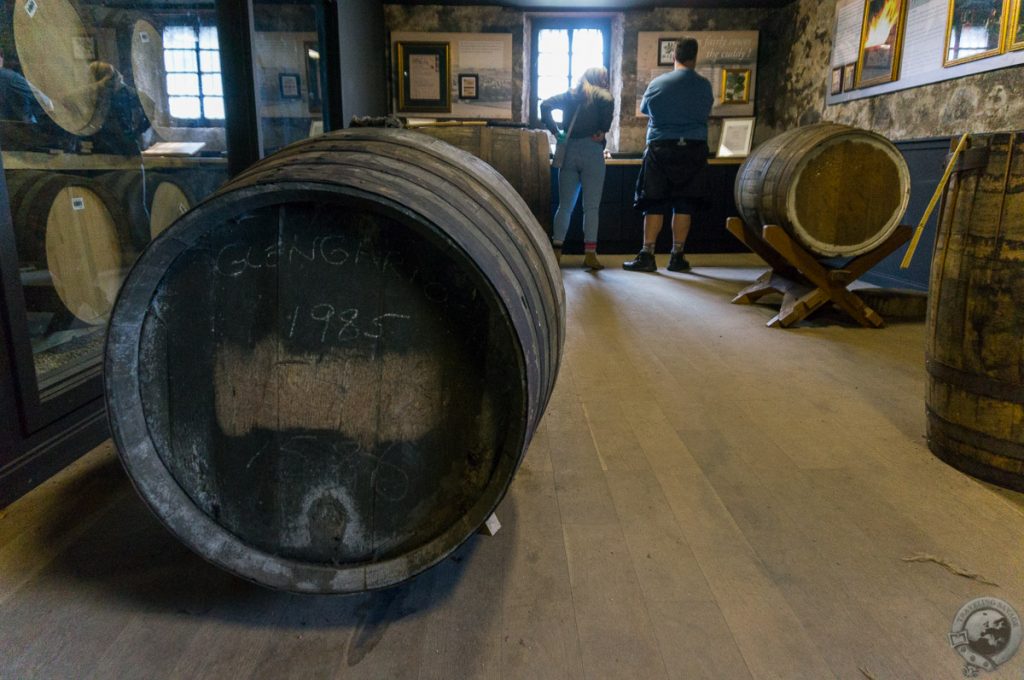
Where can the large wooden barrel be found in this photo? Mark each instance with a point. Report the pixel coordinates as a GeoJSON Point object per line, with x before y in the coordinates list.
{"type": "Point", "coordinates": [56, 51]}
{"type": "Point", "coordinates": [838, 190]}
{"type": "Point", "coordinates": [148, 75]}
{"type": "Point", "coordinates": [72, 227]}
{"type": "Point", "coordinates": [323, 377]}
{"type": "Point", "coordinates": [975, 342]}
{"type": "Point", "coordinates": [523, 157]}
{"type": "Point", "coordinates": [151, 201]}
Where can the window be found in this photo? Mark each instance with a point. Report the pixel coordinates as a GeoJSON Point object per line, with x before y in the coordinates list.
{"type": "Point", "coordinates": [192, 63]}
{"type": "Point", "coordinates": [562, 50]}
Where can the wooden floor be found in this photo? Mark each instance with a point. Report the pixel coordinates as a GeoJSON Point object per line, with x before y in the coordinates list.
{"type": "Point", "coordinates": [706, 498]}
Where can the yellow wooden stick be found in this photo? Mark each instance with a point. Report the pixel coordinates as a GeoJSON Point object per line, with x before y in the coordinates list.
{"type": "Point", "coordinates": [931, 205]}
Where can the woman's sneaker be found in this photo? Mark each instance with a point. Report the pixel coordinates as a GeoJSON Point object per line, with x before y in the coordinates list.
{"type": "Point", "coordinates": [678, 263]}
{"type": "Point", "coordinates": [590, 261]}
{"type": "Point", "coordinates": [643, 262]}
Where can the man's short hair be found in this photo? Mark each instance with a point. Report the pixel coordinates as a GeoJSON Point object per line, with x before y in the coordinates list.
{"type": "Point", "coordinates": [686, 50]}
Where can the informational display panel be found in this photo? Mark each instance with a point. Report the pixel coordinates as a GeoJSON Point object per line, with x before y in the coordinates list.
{"type": "Point", "coordinates": [726, 58]}
{"type": "Point", "coordinates": [924, 55]}
{"type": "Point", "coordinates": [487, 56]}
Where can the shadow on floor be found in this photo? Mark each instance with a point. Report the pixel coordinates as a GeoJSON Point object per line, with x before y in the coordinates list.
{"type": "Point", "coordinates": [117, 550]}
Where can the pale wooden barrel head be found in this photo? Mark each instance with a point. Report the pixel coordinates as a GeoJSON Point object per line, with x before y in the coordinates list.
{"type": "Point", "coordinates": [148, 69]}
{"type": "Point", "coordinates": [849, 194]}
{"type": "Point", "coordinates": [83, 253]}
{"type": "Point", "coordinates": [169, 203]}
{"type": "Point", "coordinates": [55, 49]}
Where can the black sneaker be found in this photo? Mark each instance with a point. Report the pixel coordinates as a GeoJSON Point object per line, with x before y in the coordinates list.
{"type": "Point", "coordinates": [643, 262]}
{"type": "Point", "coordinates": [678, 263]}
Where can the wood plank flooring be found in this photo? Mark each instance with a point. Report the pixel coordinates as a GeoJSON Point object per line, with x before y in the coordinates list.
{"type": "Point", "coordinates": [705, 498]}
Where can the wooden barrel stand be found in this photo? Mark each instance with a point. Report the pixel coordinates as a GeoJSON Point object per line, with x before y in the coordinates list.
{"type": "Point", "coordinates": [323, 377]}
{"type": "Point", "coordinates": [812, 194]}
{"type": "Point", "coordinates": [975, 341]}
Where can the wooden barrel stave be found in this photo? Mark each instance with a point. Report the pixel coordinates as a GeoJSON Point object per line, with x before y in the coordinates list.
{"type": "Point", "coordinates": [520, 156]}
{"type": "Point", "coordinates": [71, 227]}
{"type": "Point", "coordinates": [51, 40]}
{"type": "Point", "coordinates": [149, 204]}
{"type": "Point", "coordinates": [837, 190]}
{"type": "Point", "coordinates": [421, 254]}
{"type": "Point", "coordinates": [974, 350]}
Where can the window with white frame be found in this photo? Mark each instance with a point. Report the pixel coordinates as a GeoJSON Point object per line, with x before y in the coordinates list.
{"type": "Point", "coordinates": [563, 50]}
{"type": "Point", "coordinates": [192, 63]}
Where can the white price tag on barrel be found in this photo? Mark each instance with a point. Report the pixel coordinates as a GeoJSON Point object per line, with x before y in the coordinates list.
{"type": "Point", "coordinates": [30, 8]}
{"type": "Point", "coordinates": [78, 203]}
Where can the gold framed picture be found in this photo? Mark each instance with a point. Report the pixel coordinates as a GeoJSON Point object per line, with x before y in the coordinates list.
{"type": "Point", "coordinates": [422, 78]}
{"type": "Point", "coordinates": [881, 42]}
{"type": "Point", "coordinates": [735, 86]}
{"type": "Point", "coordinates": [974, 30]}
{"type": "Point", "coordinates": [1015, 36]}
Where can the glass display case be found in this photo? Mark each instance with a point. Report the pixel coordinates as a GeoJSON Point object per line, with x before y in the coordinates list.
{"type": "Point", "coordinates": [113, 122]}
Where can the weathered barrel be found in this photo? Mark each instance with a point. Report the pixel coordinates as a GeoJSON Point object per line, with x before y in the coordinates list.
{"type": "Point", "coordinates": [147, 68]}
{"type": "Point", "coordinates": [837, 190]}
{"type": "Point", "coordinates": [56, 50]}
{"type": "Point", "coordinates": [324, 376]}
{"type": "Point", "coordinates": [72, 227]}
{"type": "Point", "coordinates": [523, 157]}
{"type": "Point", "coordinates": [151, 201]}
{"type": "Point", "coordinates": [975, 339]}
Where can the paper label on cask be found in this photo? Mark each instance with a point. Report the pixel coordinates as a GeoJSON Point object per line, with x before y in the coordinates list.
{"type": "Point", "coordinates": [78, 203]}
{"type": "Point", "coordinates": [143, 37]}
{"type": "Point", "coordinates": [30, 8]}
{"type": "Point", "coordinates": [182, 208]}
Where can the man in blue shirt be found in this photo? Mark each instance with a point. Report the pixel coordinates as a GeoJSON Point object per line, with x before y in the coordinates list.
{"type": "Point", "coordinates": [672, 176]}
{"type": "Point", "coordinates": [17, 102]}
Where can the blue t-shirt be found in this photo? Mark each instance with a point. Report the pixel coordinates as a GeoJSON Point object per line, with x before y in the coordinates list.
{"type": "Point", "coordinates": [678, 103]}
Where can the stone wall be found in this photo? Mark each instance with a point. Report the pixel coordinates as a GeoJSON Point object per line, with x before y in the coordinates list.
{"type": "Point", "coordinates": [984, 102]}
{"type": "Point", "coordinates": [793, 74]}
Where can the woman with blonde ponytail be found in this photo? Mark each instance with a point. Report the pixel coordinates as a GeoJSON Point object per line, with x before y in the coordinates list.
{"type": "Point", "coordinates": [587, 109]}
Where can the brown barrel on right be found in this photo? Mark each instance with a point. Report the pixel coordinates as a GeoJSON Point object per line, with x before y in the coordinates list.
{"type": "Point", "coordinates": [975, 341]}
{"type": "Point", "coordinates": [838, 190]}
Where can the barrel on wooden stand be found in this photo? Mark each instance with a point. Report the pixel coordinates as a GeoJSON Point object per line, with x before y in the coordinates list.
{"type": "Point", "coordinates": [837, 190]}
{"type": "Point", "coordinates": [975, 342]}
{"type": "Point", "coordinates": [323, 377]}
{"type": "Point", "coordinates": [56, 51]}
{"type": "Point", "coordinates": [72, 228]}
{"type": "Point", "coordinates": [520, 156]}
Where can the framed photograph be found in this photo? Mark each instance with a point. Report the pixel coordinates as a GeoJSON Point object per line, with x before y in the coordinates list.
{"type": "Point", "coordinates": [736, 138]}
{"type": "Point", "coordinates": [422, 79]}
{"type": "Point", "coordinates": [469, 86]}
{"type": "Point", "coordinates": [849, 77]}
{"type": "Point", "coordinates": [735, 86]}
{"type": "Point", "coordinates": [667, 51]}
{"type": "Point", "coordinates": [974, 30]}
{"type": "Point", "coordinates": [1015, 37]}
{"type": "Point", "coordinates": [881, 40]}
{"type": "Point", "coordinates": [837, 81]}
{"type": "Point", "coordinates": [289, 85]}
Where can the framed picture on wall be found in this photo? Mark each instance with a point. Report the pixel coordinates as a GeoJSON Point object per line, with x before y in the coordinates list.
{"type": "Point", "coordinates": [421, 76]}
{"type": "Point", "coordinates": [469, 86]}
{"type": "Point", "coordinates": [667, 51]}
{"type": "Point", "coordinates": [849, 77]}
{"type": "Point", "coordinates": [881, 40]}
{"type": "Point", "coordinates": [288, 84]}
{"type": "Point", "coordinates": [737, 137]}
{"type": "Point", "coordinates": [735, 86]}
{"type": "Point", "coordinates": [1015, 37]}
{"type": "Point", "coordinates": [974, 29]}
{"type": "Point", "coordinates": [837, 81]}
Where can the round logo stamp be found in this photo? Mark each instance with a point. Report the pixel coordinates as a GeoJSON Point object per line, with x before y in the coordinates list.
{"type": "Point", "coordinates": [986, 633]}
